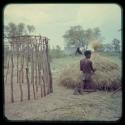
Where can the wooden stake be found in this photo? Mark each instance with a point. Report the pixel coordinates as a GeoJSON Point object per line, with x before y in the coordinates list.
{"type": "Point", "coordinates": [12, 96]}
{"type": "Point", "coordinates": [7, 71]}
{"type": "Point", "coordinates": [36, 70]}
{"type": "Point", "coordinates": [27, 76]}
{"type": "Point", "coordinates": [50, 74]}
{"type": "Point", "coordinates": [17, 67]}
{"type": "Point", "coordinates": [32, 76]}
{"type": "Point", "coordinates": [20, 85]}
{"type": "Point", "coordinates": [22, 65]}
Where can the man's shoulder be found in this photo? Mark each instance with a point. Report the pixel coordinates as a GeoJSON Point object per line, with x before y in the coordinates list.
{"type": "Point", "coordinates": [82, 60]}
{"type": "Point", "coordinates": [86, 60]}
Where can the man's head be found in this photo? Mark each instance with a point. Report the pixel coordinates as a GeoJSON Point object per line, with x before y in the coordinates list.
{"type": "Point", "coordinates": [87, 53]}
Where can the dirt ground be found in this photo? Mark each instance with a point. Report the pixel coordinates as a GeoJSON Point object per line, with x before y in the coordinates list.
{"type": "Point", "coordinates": [63, 105]}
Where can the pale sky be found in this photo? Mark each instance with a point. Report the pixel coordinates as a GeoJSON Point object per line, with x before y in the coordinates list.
{"type": "Point", "coordinates": [52, 20]}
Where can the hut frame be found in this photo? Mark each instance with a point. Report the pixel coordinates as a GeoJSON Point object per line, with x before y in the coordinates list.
{"type": "Point", "coordinates": [27, 64]}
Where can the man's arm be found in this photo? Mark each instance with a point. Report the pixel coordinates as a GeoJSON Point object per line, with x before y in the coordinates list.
{"type": "Point", "coordinates": [91, 65]}
{"type": "Point", "coordinates": [81, 65]}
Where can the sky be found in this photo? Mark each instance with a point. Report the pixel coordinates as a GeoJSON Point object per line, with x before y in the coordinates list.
{"type": "Point", "coordinates": [53, 20]}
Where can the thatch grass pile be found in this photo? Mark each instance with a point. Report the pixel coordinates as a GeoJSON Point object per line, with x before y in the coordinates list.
{"type": "Point", "coordinates": [107, 75]}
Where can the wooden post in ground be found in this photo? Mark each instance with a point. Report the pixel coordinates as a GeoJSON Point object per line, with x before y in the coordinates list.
{"type": "Point", "coordinates": [43, 88]}
{"type": "Point", "coordinates": [27, 74]}
{"type": "Point", "coordinates": [17, 64]}
{"type": "Point", "coordinates": [12, 66]}
{"type": "Point", "coordinates": [20, 74]}
{"type": "Point", "coordinates": [36, 64]}
{"type": "Point", "coordinates": [20, 85]}
{"type": "Point", "coordinates": [50, 74]}
{"type": "Point", "coordinates": [32, 74]}
{"type": "Point", "coordinates": [40, 66]}
{"type": "Point", "coordinates": [7, 71]}
{"type": "Point", "coordinates": [22, 65]}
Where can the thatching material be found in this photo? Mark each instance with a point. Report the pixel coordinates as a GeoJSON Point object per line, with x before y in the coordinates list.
{"type": "Point", "coordinates": [106, 77]}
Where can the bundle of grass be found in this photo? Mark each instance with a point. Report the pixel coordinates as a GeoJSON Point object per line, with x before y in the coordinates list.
{"type": "Point", "coordinates": [107, 76]}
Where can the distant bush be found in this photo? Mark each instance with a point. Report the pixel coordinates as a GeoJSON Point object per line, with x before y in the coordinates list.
{"type": "Point", "coordinates": [117, 54]}
{"type": "Point", "coordinates": [56, 53]}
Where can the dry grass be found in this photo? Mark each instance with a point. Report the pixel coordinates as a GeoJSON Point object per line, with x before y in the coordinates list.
{"type": "Point", "coordinates": [106, 77]}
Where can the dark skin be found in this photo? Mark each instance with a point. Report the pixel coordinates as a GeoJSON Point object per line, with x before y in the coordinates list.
{"type": "Point", "coordinates": [79, 89]}
{"type": "Point", "coordinates": [88, 56]}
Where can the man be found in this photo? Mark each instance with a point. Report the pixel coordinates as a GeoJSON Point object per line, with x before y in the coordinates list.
{"type": "Point", "coordinates": [78, 51]}
{"type": "Point", "coordinates": [87, 70]}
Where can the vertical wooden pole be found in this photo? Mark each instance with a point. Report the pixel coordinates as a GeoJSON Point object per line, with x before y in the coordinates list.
{"type": "Point", "coordinates": [28, 85]}
{"type": "Point", "coordinates": [20, 85]}
{"type": "Point", "coordinates": [41, 90]}
{"type": "Point", "coordinates": [27, 74]}
{"type": "Point", "coordinates": [17, 64]}
{"type": "Point", "coordinates": [43, 73]}
{"type": "Point", "coordinates": [50, 74]}
{"type": "Point", "coordinates": [36, 68]}
{"type": "Point", "coordinates": [20, 75]}
{"type": "Point", "coordinates": [39, 73]}
{"type": "Point", "coordinates": [32, 74]}
{"type": "Point", "coordinates": [22, 65]}
{"type": "Point", "coordinates": [7, 71]}
{"type": "Point", "coordinates": [40, 62]}
{"type": "Point", "coordinates": [12, 96]}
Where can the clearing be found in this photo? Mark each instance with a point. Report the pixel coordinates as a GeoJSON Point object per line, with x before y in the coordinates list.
{"type": "Point", "coordinates": [63, 105]}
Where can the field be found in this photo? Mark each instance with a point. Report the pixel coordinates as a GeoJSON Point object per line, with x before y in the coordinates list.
{"type": "Point", "coordinates": [63, 105]}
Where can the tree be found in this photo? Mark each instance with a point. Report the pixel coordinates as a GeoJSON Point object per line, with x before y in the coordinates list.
{"type": "Point", "coordinates": [30, 28]}
{"type": "Point", "coordinates": [20, 29]}
{"type": "Point", "coordinates": [116, 44]}
{"type": "Point", "coordinates": [10, 29]}
{"type": "Point", "coordinates": [107, 47]}
{"type": "Point", "coordinates": [58, 48]}
{"type": "Point", "coordinates": [78, 37]}
{"type": "Point", "coordinates": [88, 36]}
{"type": "Point", "coordinates": [56, 52]}
{"type": "Point", "coordinates": [97, 33]}
{"type": "Point", "coordinates": [74, 36]}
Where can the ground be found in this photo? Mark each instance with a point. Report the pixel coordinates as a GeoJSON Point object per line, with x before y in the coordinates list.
{"type": "Point", "coordinates": [63, 105]}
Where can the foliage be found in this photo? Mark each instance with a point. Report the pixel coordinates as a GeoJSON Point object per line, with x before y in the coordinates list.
{"type": "Point", "coordinates": [77, 36]}
{"type": "Point", "coordinates": [74, 36]}
{"type": "Point", "coordinates": [11, 29]}
{"type": "Point", "coordinates": [56, 52]}
{"type": "Point", "coordinates": [116, 44]}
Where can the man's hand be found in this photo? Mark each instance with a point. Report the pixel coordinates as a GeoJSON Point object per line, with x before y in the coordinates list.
{"type": "Point", "coordinates": [94, 70]}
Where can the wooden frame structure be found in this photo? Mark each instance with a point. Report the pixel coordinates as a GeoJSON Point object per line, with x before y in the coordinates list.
{"type": "Point", "coordinates": [27, 64]}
